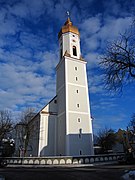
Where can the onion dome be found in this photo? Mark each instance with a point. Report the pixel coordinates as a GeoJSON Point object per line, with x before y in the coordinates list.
{"type": "Point", "coordinates": [68, 27]}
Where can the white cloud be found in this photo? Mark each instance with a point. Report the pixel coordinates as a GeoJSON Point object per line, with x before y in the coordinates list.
{"type": "Point", "coordinates": [48, 63]}
{"type": "Point", "coordinates": [20, 84]}
{"type": "Point", "coordinates": [8, 26]}
{"type": "Point", "coordinates": [20, 10]}
{"type": "Point", "coordinates": [92, 43]}
{"type": "Point", "coordinates": [118, 8]}
{"type": "Point", "coordinates": [27, 69]}
{"type": "Point", "coordinates": [92, 59]}
{"type": "Point", "coordinates": [90, 26]}
{"type": "Point", "coordinates": [95, 83]}
{"type": "Point", "coordinates": [113, 27]}
{"type": "Point", "coordinates": [96, 31]}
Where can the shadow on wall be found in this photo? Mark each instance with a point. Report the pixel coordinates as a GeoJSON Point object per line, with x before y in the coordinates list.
{"type": "Point", "coordinates": [78, 145]}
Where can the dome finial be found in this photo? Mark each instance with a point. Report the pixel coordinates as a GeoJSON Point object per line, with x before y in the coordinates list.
{"type": "Point", "coordinates": [68, 21]}
{"type": "Point", "coordinates": [68, 14]}
{"type": "Point", "coordinates": [68, 27]}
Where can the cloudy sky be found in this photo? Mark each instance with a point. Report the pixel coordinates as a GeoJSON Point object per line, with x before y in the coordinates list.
{"type": "Point", "coordinates": [29, 53]}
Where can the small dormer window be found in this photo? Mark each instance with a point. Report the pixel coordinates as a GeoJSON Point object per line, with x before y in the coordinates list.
{"type": "Point", "coordinates": [74, 51]}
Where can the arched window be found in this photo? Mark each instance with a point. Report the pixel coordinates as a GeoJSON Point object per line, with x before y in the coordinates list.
{"type": "Point", "coordinates": [74, 51]}
{"type": "Point", "coordinates": [80, 152]}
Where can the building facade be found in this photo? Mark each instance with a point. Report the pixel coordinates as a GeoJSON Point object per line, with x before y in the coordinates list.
{"type": "Point", "coordinates": [74, 122]}
{"type": "Point", "coordinates": [64, 125]}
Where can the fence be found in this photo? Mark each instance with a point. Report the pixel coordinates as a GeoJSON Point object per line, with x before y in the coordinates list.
{"type": "Point", "coordinates": [61, 160]}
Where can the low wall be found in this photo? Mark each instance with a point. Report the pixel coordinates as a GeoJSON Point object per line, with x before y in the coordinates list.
{"type": "Point", "coordinates": [59, 160]}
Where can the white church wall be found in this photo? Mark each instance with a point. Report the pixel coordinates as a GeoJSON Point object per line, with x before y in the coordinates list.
{"type": "Point", "coordinates": [71, 40]}
{"type": "Point", "coordinates": [76, 70]}
{"type": "Point", "coordinates": [61, 99]}
{"type": "Point", "coordinates": [77, 121]}
{"type": "Point", "coordinates": [77, 100]}
{"type": "Point", "coordinates": [48, 118]}
{"type": "Point", "coordinates": [60, 87]}
{"type": "Point", "coordinates": [60, 78]}
{"type": "Point", "coordinates": [75, 41]}
{"type": "Point", "coordinates": [43, 133]}
{"type": "Point", "coordinates": [68, 99]}
{"type": "Point", "coordinates": [79, 145]}
{"type": "Point", "coordinates": [66, 46]}
{"type": "Point", "coordinates": [51, 106]}
{"type": "Point", "coordinates": [61, 136]}
{"type": "Point", "coordinates": [79, 134]}
{"type": "Point", "coordinates": [47, 135]}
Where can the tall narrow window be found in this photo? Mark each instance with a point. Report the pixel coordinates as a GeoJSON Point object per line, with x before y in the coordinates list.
{"type": "Point", "coordinates": [74, 51]}
{"type": "Point", "coordinates": [79, 120]}
{"type": "Point", "coordinates": [80, 133]}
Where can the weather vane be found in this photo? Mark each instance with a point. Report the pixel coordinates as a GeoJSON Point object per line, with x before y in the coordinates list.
{"type": "Point", "coordinates": [68, 14]}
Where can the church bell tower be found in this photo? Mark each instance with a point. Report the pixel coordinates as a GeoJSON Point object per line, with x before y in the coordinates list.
{"type": "Point", "coordinates": [74, 123]}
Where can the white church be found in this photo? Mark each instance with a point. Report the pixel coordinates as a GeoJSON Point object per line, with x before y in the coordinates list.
{"type": "Point", "coordinates": [64, 126]}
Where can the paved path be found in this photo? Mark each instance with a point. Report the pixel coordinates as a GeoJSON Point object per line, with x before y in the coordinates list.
{"type": "Point", "coordinates": [99, 172]}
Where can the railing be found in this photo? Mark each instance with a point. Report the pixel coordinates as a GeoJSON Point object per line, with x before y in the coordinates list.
{"type": "Point", "coordinates": [59, 160]}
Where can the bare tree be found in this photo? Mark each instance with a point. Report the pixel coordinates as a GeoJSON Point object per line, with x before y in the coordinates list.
{"type": "Point", "coordinates": [24, 129]}
{"type": "Point", "coordinates": [27, 115]}
{"type": "Point", "coordinates": [6, 123]}
{"type": "Point", "coordinates": [106, 138]}
{"type": "Point", "coordinates": [118, 61]}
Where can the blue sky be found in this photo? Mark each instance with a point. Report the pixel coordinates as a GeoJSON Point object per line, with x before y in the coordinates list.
{"type": "Point", "coordinates": [29, 53]}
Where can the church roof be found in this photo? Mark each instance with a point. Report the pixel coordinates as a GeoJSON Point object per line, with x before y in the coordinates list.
{"type": "Point", "coordinates": [68, 27]}
{"type": "Point", "coordinates": [45, 112]}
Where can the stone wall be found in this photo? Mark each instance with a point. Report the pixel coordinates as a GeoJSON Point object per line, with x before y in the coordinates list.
{"type": "Point", "coordinates": [62, 160]}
